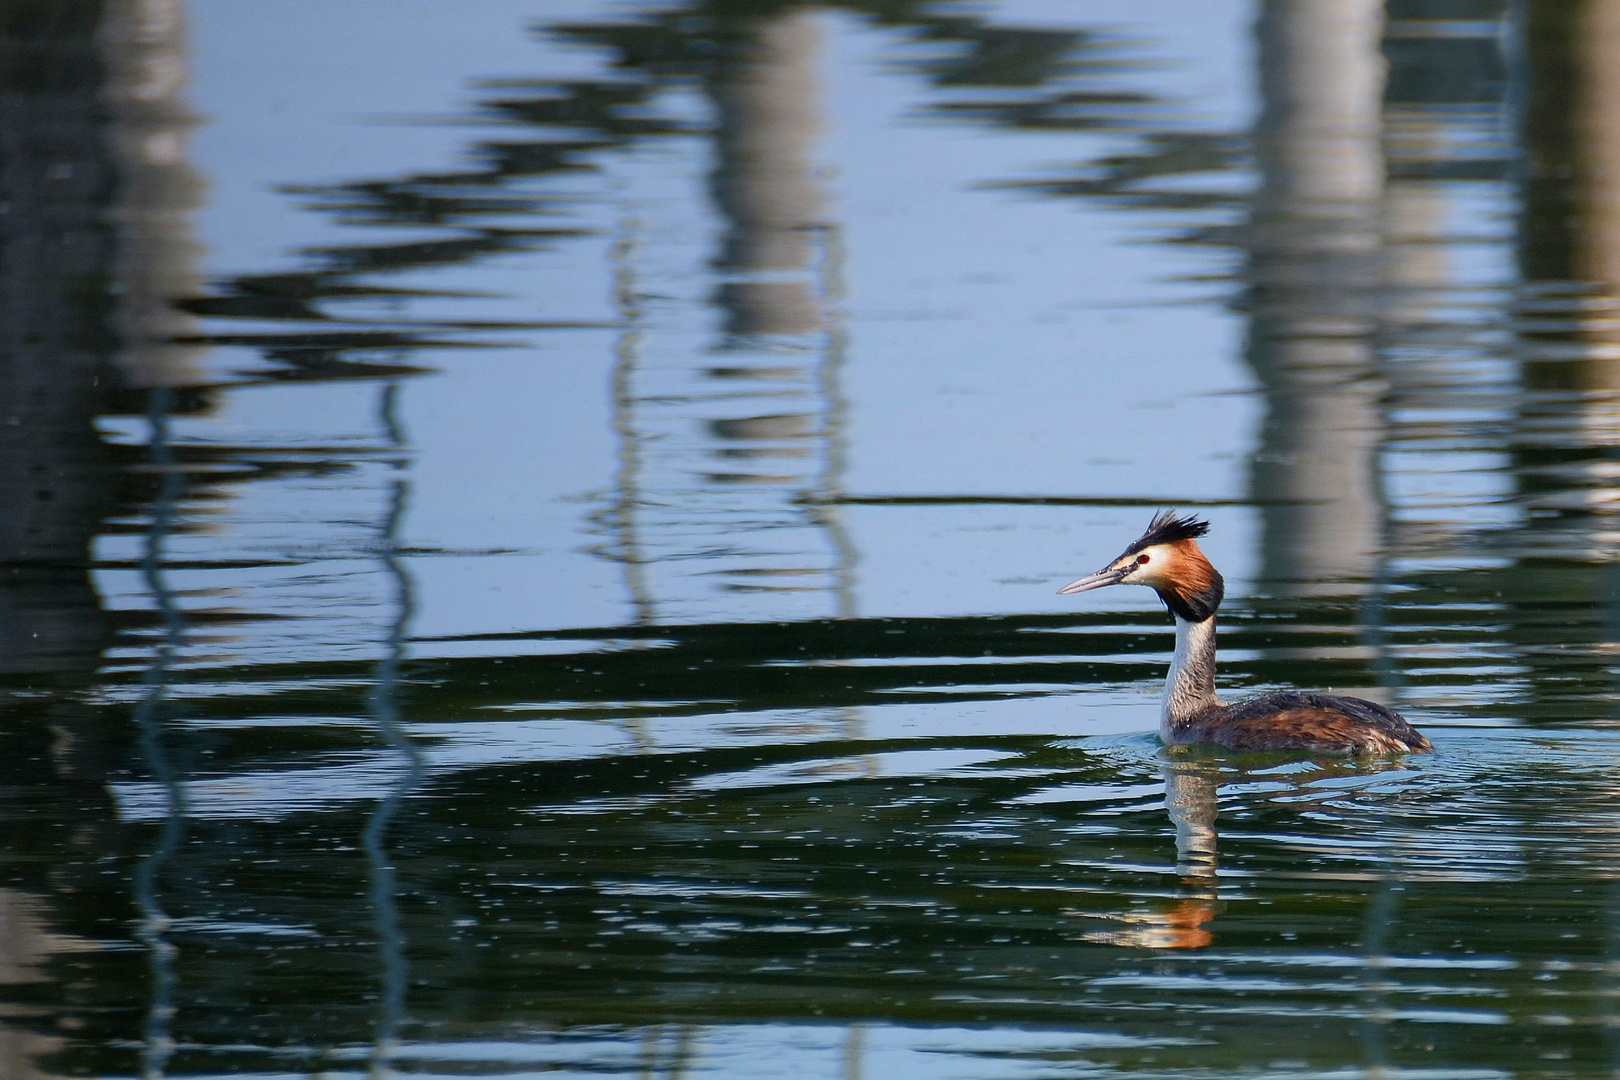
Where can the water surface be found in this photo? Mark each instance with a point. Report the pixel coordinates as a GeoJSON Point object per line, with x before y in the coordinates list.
{"type": "Point", "coordinates": [531, 536]}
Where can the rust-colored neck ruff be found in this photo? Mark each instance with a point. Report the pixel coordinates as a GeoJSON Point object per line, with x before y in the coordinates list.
{"type": "Point", "coordinates": [1189, 584]}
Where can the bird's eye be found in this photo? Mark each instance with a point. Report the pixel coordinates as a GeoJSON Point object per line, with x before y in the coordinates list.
{"type": "Point", "coordinates": [1140, 559]}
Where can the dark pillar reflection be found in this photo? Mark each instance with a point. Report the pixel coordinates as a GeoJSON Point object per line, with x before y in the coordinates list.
{"type": "Point", "coordinates": [1313, 246]}
{"type": "Point", "coordinates": [58, 335]}
{"type": "Point", "coordinates": [383, 706]}
{"type": "Point", "coordinates": [1566, 424]}
{"type": "Point", "coordinates": [153, 929]}
{"type": "Point", "coordinates": [1598, 40]}
{"type": "Point", "coordinates": [93, 190]}
{"type": "Point", "coordinates": [1569, 260]}
{"type": "Point", "coordinates": [92, 186]}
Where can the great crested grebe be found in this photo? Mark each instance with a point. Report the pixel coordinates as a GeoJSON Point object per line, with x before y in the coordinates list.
{"type": "Point", "coordinates": [1166, 559]}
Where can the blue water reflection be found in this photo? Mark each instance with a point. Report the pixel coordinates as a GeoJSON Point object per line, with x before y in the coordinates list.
{"type": "Point", "coordinates": [530, 536]}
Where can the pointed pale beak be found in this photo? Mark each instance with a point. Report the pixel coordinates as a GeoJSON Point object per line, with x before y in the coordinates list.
{"type": "Point", "coordinates": [1093, 581]}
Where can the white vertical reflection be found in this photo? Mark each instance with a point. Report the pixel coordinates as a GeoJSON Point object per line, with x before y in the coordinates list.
{"type": "Point", "coordinates": [1313, 248]}
{"type": "Point", "coordinates": [730, 444]}
{"type": "Point", "coordinates": [144, 48]}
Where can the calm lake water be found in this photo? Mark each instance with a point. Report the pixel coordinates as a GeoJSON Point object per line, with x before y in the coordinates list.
{"type": "Point", "coordinates": [530, 535]}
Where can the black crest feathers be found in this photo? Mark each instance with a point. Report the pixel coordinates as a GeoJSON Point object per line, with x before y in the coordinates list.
{"type": "Point", "coordinates": [1167, 527]}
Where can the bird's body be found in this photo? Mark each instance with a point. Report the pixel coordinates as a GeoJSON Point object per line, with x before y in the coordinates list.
{"type": "Point", "coordinates": [1167, 559]}
{"type": "Point", "coordinates": [1295, 721]}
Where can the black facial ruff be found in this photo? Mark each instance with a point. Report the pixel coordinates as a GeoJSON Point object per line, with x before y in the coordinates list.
{"type": "Point", "coordinates": [1168, 527]}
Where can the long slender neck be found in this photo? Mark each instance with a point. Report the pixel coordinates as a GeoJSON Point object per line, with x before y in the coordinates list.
{"type": "Point", "coordinates": [1190, 687]}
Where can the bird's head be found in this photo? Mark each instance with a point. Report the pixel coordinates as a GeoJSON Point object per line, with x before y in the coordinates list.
{"type": "Point", "coordinates": [1166, 559]}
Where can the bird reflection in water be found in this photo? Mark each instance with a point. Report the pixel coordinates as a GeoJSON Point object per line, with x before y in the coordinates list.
{"type": "Point", "coordinates": [1192, 780]}
{"type": "Point", "coordinates": [1178, 921]}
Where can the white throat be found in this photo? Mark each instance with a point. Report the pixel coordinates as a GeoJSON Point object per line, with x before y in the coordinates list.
{"type": "Point", "coordinates": [1190, 687]}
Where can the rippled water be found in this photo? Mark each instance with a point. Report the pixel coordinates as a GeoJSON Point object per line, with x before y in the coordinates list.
{"type": "Point", "coordinates": [530, 536]}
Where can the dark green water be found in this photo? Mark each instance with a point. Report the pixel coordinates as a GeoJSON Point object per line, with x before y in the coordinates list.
{"type": "Point", "coordinates": [529, 537]}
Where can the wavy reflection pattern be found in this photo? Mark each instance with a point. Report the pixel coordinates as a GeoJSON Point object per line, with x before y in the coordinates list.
{"type": "Point", "coordinates": [758, 824]}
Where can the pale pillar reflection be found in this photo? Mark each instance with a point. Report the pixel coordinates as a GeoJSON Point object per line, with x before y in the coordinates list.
{"type": "Point", "coordinates": [27, 944]}
{"type": "Point", "coordinates": [735, 523]}
{"type": "Point", "coordinates": [145, 53]}
{"type": "Point", "coordinates": [768, 103]}
{"type": "Point", "coordinates": [1313, 244]}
